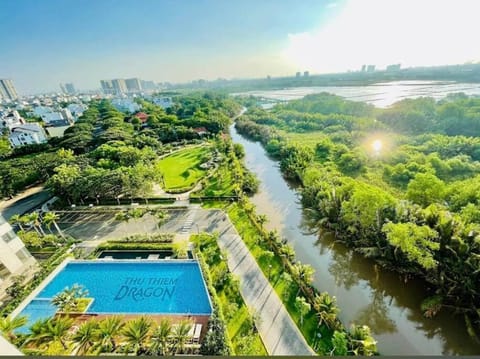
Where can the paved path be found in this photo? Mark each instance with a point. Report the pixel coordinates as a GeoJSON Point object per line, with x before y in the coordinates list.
{"type": "Point", "coordinates": [277, 329]}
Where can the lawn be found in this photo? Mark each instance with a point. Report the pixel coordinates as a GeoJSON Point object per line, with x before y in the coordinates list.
{"type": "Point", "coordinates": [221, 183]}
{"type": "Point", "coordinates": [181, 170]}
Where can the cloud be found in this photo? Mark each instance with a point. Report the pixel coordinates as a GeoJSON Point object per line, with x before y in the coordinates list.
{"type": "Point", "coordinates": [382, 32]}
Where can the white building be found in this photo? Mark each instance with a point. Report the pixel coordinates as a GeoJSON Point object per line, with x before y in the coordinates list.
{"type": "Point", "coordinates": [164, 102]}
{"type": "Point", "coordinates": [15, 259]}
{"type": "Point", "coordinates": [125, 105]}
{"type": "Point", "coordinates": [10, 119]}
{"type": "Point", "coordinates": [76, 109]}
{"type": "Point", "coordinates": [27, 134]}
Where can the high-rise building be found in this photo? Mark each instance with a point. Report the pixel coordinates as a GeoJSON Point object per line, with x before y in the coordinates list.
{"type": "Point", "coordinates": [70, 88]}
{"type": "Point", "coordinates": [107, 86]}
{"type": "Point", "coordinates": [133, 85]}
{"type": "Point", "coordinates": [370, 68]}
{"type": "Point", "coordinates": [119, 86]}
{"type": "Point", "coordinates": [364, 68]}
{"type": "Point", "coordinates": [298, 74]}
{"type": "Point", "coordinates": [148, 85]}
{"type": "Point", "coordinates": [7, 90]}
{"type": "Point", "coordinates": [306, 74]}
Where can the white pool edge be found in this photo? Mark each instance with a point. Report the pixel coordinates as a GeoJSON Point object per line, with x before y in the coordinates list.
{"type": "Point", "coordinates": [40, 287]}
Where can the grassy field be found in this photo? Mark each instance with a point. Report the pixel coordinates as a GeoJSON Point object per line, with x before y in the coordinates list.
{"type": "Point", "coordinates": [182, 169]}
{"type": "Point", "coordinates": [221, 183]}
{"type": "Point", "coordinates": [309, 139]}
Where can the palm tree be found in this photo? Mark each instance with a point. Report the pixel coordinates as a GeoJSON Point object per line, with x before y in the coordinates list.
{"type": "Point", "coordinates": [8, 326]}
{"type": "Point", "coordinates": [67, 300]}
{"type": "Point", "coordinates": [136, 333]}
{"type": "Point", "coordinates": [108, 330]}
{"type": "Point", "coordinates": [36, 332]}
{"type": "Point", "coordinates": [56, 329]}
{"type": "Point", "coordinates": [180, 335]}
{"type": "Point", "coordinates": [160, 338]}
{"type": "Point", "coordinates": [34, 218]}
{"type": "Point", "coordinates": [327, 310]}
{"type": "Point", "coordinates": [50, 218]}
{"type": "Point", "coordinates": [85, 336]}
{"type": "Point", "coordinates": [16, 219]}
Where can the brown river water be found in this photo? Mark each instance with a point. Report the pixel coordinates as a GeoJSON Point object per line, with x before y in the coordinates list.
{"type": "Point", "coordinates": [366, 294]}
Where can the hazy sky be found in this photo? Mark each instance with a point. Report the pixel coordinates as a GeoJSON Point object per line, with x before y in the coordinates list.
{"type": "Point", "coordinates": [45, 42]}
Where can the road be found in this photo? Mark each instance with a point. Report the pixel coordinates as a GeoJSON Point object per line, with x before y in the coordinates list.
{"type": "Point", "coordinates": [24, 202]}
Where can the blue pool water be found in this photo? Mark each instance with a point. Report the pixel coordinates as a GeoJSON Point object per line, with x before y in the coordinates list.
{"type": "Point", "coordinates": [129, 288]}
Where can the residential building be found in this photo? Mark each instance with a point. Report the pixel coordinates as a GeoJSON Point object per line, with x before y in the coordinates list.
{"type": "Point", "coordinates": [364, 68]}
{"type": "Point", "coordinates": [7, 90]}
{"type": "Point", "coordinates": [107, 87]}
{"type": "Point", "coordinates": [119, 86]}
{"type": "Point", "coordinates": [10, 119]}
{"type": "Point", "coordinates": [76, 110]}
{"type": "Point", "coordinates": [133, 85]}
{"type": "Point", "coordinates": [14, 257]}
{"type": "Point", "coordinates": [125, 105]}
{"type": "Point", "coordinates": [27, 134]}
{"type": "Point", "coordinates": [298, 74]}
{"type": "Point", "coordinates": [306, 74]}
{"type": "Point", "coordinates": [164, 102]}
{"type": "Point", "coordinates": [148, 85]}
{"type": "Point", "coordinates": [70, 88]}
{"type": "Point", "coordinates": [371, 68]}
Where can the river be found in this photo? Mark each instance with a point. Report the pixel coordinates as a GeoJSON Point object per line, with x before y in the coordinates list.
{"type": "Point", "coordinates": [379, 94]}
{"type": "Point", "coordinates": [365, 293]}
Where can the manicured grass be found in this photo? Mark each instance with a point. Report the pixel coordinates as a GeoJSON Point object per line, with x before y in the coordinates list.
{"type": "Point", "coordinates": [287, 291]}
{"type": "Point", "coordinates": [221, 183]}
{"type": "Point", "coordinates": [182, 169]}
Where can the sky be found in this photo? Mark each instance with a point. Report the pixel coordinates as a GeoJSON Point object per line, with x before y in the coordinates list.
{"type": "Point", "coordinates": [47, 42]}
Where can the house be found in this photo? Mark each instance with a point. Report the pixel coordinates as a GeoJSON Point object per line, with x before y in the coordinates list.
{"type": "Point", "coordinates": [142, 116]}
{"type": "Point", "coordinates": [201, 131]}
{"type": "Point", "coordinates": [10, 119]}
{"type": "Point", "coordinates": [125, 105]}
{"type": "Point", "coordinates": [27, 134]}
{"type": "Point", "coordinates": [164, 102]}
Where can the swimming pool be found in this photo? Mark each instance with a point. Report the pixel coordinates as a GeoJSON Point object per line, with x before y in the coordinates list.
{"type": "Point", "coordinates": [129, 287]}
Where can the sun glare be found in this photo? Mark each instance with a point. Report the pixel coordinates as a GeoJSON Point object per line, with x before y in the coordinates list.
{"type": "Point", "coordinates": [377, 145]}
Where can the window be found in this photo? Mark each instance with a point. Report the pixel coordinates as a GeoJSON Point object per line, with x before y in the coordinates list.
{"type": "Point", "coordinates": [4, 272]}
{"type": "Point", "coordinates": [23, 254]}
{"type": "Point", "coordinates": [7, 237]}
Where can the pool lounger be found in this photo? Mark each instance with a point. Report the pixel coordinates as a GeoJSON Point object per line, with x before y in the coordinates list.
{"type": "Point", "coordinates": [153, 256]}
{"type": "Point", "coordinates": [196, 333]}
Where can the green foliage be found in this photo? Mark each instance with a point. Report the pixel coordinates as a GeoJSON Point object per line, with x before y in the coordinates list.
{"type": "Point", "coordinates": [425, 189]}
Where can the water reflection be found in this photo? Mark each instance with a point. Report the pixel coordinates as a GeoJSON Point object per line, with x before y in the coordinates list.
{"type": "Point", "coordinates": [366, 293]}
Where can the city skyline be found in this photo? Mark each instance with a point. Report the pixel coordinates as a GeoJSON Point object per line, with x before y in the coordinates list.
{"type": "Point", "coordinates": [167, 41]}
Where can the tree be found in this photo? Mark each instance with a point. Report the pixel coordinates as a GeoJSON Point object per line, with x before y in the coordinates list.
{"type": "Point", "coordinates": [326, 309]}
{"type": "Point", "coordinates": [302, 307]}
{"type": "Point", "coordinates": [340, 344]}
{"type": "Point", "coordinates": [67, 300]}
{"type": "Point", "coordinates": [136, 333]}
{"type": "Point", "coordinates": [85, 336]}
{"type": "Point", "coordinates": [50, 218]}
{"type": "Point", "coordinates": [303, 273]}
{"type": "Point", "coordinates": [180, 335]}
{"type": "Point", "coordinates": [108, 329]}
{"type": "Point", "coordinates": [34, 219]}
{"type": "Point", "coordinates": [361, 341]}
{"type": "Point", "coordinates": [415, 241]}
{"type": "Point", "coordinates": [8, 326]}
{"type": "Point", "coordinates": [426, 189]}
{"type": "Point", "coordinates": [215, 341]}
{"type": "Point", "coordinates": [56, 329]}
{"type": "Point", "coordinates": [16, 219]}
{"type": "Point", "coordinates": [160, 338]}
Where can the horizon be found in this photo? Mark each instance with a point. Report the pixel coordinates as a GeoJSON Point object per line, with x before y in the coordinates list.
{"type": "Point", "coordinates": [166, 41]}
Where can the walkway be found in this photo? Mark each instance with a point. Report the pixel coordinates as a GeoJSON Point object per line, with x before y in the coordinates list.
{"type": "Point", "coordinates": [277, 329]}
